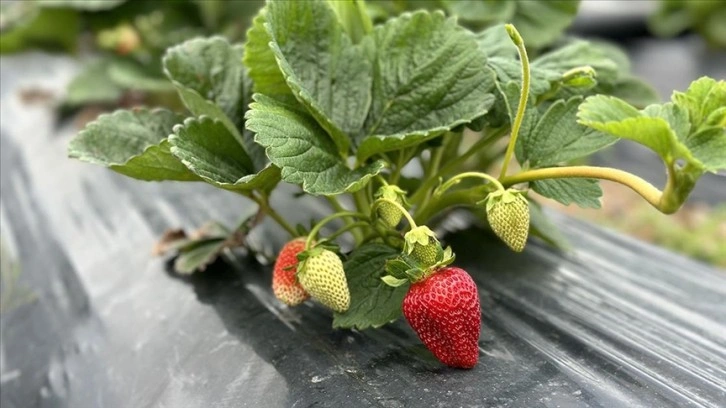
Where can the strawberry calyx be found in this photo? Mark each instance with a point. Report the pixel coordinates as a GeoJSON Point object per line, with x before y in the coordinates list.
{"type": "Point", "coordinates": [504, 196]}
{"type": "Point", "coordinates": [317, 249]}
{"type": "Point", "coordinates": [421, 257]}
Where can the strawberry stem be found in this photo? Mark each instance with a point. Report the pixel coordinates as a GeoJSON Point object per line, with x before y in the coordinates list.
{"type": "Point", "coordinates": [263, 202]}
{"type": "Point", "coordinates": [452, 165]}
{"type": "Point", "coordinates": [337, 206]}
{"type": "Point", "coordinates": [456, 179]}
{"type": "Point", "coordinates": [345, 229]}
{"type": "Point", "coordinates": [646, 190]}
{"type": "Point", "coordinates": [314, 232]}
{"type": "Point", "coordinates": [517, 40]}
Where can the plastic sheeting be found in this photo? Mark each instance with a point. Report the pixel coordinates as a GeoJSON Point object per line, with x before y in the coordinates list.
{"type": "Point", "coordinates": [615, 323]}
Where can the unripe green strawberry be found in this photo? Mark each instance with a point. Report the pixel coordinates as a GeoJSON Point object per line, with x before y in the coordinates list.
{"type": "Point", "coordinates": [421, 244]}
{"type": "Point", "coordinates": [322, 275]}
{"type": "Point", "coordinates": [426, 254]}
{"type": "Point", "coordinates": [389, 213]}
{"type": "Point", "coordinates": [284, 283]}
{"type": "Point", "coordinates": [508, 215]}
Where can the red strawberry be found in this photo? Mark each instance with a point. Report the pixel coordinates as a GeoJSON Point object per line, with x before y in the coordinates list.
{"type": "Point", "coordinates": [284, 283]}
{"type": "Point", "coordinates": [443, 310]}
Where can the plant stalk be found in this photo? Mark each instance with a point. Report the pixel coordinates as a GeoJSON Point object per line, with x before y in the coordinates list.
{"type": "Point", "coordinates": [321, 223]}
{"type": "Point", "coordinates": [454, 164]}
{"type": "Point", "coordinates": [264, 204]}
{"type": "Point", "coordinates": [524, 95]}
{"type": "Point", "coordinates": [646, 190]}
{"type": "Point", "coordinates": [456, 179]}
{"type": "Point", "coordinates": [337, 206]}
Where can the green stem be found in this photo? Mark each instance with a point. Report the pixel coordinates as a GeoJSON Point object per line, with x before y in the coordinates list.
{"type": "Point", "coordinates": [337, 206]}
{"type": "Point", "coordinates": [381, 180]}
{"type": "Point", "coordinates": [405, 213]}
{"type": "Point", "coordinates": [454, 164]}
{"type": "Point", "coordinates": [459, 197]}
{"type": "Point", "coordinates": [347, 228]}
{"type": "Point", "coordinates": [361, 201]}
{"type": "Point", "coordinates": [335, 203]}
{"type": "Point", "coordinates": [646, 190]}
{"type": "Point", "coordinates": [396, 175]}
{"type": "Point", "coordinates": [456, 179]}
{"type": "Point", "coordinates": [517, 40]}
{"type": "Point", "coordinates": [321, 223]}
{"type": "Point", "coordinates": [264, 204]}
{"type": "Point", "coordinates": [436, 157]}
{"type": "Point", "coordinates": [432, 169]}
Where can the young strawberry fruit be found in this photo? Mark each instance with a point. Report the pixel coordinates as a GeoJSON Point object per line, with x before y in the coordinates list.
{"type": "Point", "coordinates": [508, 215]}
{"type": "Point", "coordinates": [421, 244]}
{"type": "Point", "coordinates": [389, 213]}
{"type": "Point", "coordinates": [443, 310]}
{"type": "Point", "coordinates": [284, 283]}
{"type": "Point", "coordinates": [322, 275]}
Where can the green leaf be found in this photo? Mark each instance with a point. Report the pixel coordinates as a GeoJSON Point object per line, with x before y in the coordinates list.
{"type": "Point", "coordinates": [495, 42]}
{"type": "Point", "coordinates": [372, 302]}
{"type": "Point", "coordinates": [576, 54]}
{"type": "Point", "coordinates": [703, 97]}
{"type": "Point", "coordinates": [297, 144]}
{"type": "Point", "coordinates": [482, 12]}
{"type": "Point", "coordinates": [558, 137]}
{"type": "Point", "coordinates": [692, 128]}
{"type": "Point", "coordinates": [199, 256]}
{"type": "Point", "coordinates": [93, 85]}
{"type": "Point", "coordinates": [211, 67]}
{"type": "Point", "coordinates": [428, 78]}
{"type": "Point", "coordinates": [50, 29]}
{"type": "Point", "coordinates": [631, 89]}
{"type": "Point", "coordinates": [510, 70]}
{"type": "Point", "coordinates": [210, 151]}
{"type": "Point", "coordinates": [129, 74]}
{"type": "Point", "coordinates": [539, 22]}
{"type": "Point", "coordinates": [709, 146]}
{"type": "Point", "coordinates": [260, 60]}
{"type": "Point", "coordinates": [132, 143]}
{"type": "Point", "coordinates": [210, 80]}
{"type": "Point", "coordinates": [584, 192]}
{"type": "Point", "coordinates": [588, 142]}
{"type": "Point", "coordinates": [354, 18]}
{"type": "Point", "coordinates": [617, 117]}
{"type": "Point", "coordinates": [328, 74]}
{"type": "Point", "coordinates": [393, 282]}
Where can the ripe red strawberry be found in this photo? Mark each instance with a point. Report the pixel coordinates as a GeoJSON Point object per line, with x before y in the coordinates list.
{"type": "Point", "coordinates": [443, 310]}
{"type": "Point", "coordinates": [284, 283]}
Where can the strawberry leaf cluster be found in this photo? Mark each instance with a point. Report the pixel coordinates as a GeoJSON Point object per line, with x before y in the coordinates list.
{"type": "Point", "coordinates": [392, 125]}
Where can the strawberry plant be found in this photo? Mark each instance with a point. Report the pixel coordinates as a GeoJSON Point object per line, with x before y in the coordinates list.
{"type": "Point", "coordinates": [392, 121]}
